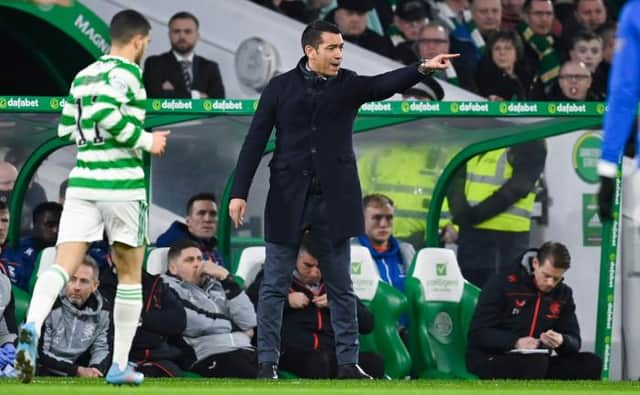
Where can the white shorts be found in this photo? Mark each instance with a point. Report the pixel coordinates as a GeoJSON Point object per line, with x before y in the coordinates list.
{"type": "Point", "coordinates": [124, 222]}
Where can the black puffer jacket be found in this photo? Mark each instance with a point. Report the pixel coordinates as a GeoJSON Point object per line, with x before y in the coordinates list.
{"type": "Point", "coordinates": [510, 306]}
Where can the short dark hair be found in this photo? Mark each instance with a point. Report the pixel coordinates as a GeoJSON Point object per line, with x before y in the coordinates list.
{"type": "Point", "coordinates": [526, 7]}
{"type": "Point", "coordinates": [504, 35]}
{"type": "Point", "coordinates": [312, 34]}
{"type": "Point", "coordinates": [46, 207]}
{"type": "Point", "coordinates": [185, 15]}
{"type": "Point", "coordinates": [127, 24]}
{"type": "Point", "coordinates": [309, 244]}
{"type": "Point", "coordinates": [376, 199]}
{"type": "Point", "coordinates": [208, 196]}
{"type": "Point", "coordinates": [90, 262]}
{"type": "Point", "coordinates": [584, 35]}
{"type": "Point", "coordinates": [557, 254]}
{"type": "Point", "coordinates": [176, 248]}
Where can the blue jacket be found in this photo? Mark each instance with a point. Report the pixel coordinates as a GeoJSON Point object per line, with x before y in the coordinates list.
{"type": "Point", "coordinates": [390, 265]}
{"type": "Point", "coordinates": [624, 90]}
{"type": "Point", "coordinates": [20, 262]}
{"type": "Point", "coordinates": [178, 231]}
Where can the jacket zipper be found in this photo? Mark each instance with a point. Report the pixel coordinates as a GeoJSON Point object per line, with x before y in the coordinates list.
{"type": "Point", "coordinates": [534, 322]}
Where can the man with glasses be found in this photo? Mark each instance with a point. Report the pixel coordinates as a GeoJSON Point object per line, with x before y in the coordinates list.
{"type": "Point", "coordinates": [201, 225]}
{"type": "Point", "coordinates": [393, 257]}
{"type": "Point", "coordinates": [524, 315]}
{"type": "Point", "coordinates": [433, 40]}
{"type": "Point", "coordinates": [574, 82]}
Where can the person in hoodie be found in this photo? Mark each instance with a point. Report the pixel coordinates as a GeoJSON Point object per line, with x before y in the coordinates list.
{"type": "Point", "coordinates": [77, 336]}
{"type": "Point", "coordinates": [216, 341]}
{"type": "Point", "coordinates": [525, 324]}
{"type": "Point", "coordinates": [201, 224]}
{"type": "Point", "coordinates": [393, 257]}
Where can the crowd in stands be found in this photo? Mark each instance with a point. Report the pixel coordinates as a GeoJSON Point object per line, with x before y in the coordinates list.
{"type": "Point", "coordinates": [510, 49]}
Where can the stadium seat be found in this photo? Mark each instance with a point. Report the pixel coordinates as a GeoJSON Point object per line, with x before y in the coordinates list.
{"type": "Point", "coordinates": [441, 304]}
{"type": "Point", "coordinates": [249, 265]}
{"type": "Point", "coordinates": [21, 300]}
{"type": "Point", "coordinates": [157, 260]}
{"type": "Point", "coordinates": [387, 305]}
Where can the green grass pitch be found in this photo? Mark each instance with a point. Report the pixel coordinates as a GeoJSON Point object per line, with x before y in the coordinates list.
{"type": "Point", "coordinates": [72, 386]}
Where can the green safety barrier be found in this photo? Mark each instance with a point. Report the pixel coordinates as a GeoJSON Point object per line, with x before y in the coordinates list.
{"type": "Point", "coordinates": [418, 108]}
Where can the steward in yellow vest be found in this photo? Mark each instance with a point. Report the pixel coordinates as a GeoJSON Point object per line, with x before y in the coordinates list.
{"type": "Point", "coordinates": [491, 200]}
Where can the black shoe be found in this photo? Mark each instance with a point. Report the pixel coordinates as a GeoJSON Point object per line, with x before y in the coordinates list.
{"type": "Point", "coordinates": [352, 371]}
{"type": "Point", "coordinates": [268, 370]}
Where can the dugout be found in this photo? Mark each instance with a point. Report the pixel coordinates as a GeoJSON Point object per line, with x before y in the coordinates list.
{"type": "Point", "coordinates": [207, 136]}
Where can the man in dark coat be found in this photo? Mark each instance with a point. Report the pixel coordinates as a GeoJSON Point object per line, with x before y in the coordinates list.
{"type": "Point", "coordinates": [314, 181]}
{"type": "Point", "coordinates": [181, 73]}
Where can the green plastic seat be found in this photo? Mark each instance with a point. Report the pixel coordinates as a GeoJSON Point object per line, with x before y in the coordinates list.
{"type": "Point", "coordinates": [249, 265]}
{"type": "Point", "coordinates": [387, 305]}
{"type": "Point", "coordinates": [441, 304]}
{"type": "Point", "coordinates": [21, 300]}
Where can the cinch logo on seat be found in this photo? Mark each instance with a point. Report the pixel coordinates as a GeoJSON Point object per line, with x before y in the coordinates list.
{"type": "Point", "coordinates": [441, 269]}
{"type": "Point", "coordinates": [356, 267]}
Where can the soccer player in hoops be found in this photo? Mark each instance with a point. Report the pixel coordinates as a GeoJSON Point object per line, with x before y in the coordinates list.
{"type": "Point", "coordinates": [103, 114]}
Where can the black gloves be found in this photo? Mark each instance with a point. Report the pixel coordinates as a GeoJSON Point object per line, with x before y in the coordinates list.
{"type": "Point", "coordinates": [606, 195]}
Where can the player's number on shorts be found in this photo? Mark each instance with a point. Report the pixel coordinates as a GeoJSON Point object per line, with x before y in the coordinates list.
{"type": "Point", "coordinates": [97, 139]}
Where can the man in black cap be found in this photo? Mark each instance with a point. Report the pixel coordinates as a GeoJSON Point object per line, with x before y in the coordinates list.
{"type": "Point", "coordinates": [351, 18]}
{"type": "Point", "coordinates": [410, 17]}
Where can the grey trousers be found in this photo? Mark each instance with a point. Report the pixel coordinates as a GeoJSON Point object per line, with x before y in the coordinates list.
{"type": "Point", "coordinates": [335, 264]}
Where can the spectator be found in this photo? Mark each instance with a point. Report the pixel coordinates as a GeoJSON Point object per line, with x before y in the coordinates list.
{"type": "Point", "coordinates": [500, 75]}
{"type": "Point", "coordinates": [181, 73]}
{"type": "Point", "coordinates": [351, 18]}
{"type": "Point", "coordinates": [76, 335]}
{"type": "Point", "coordinates": [541, 56]}
{"type": "Point", "coordinates": [308, 343]}
{"type": "Point", "coordinates": [46, 218]}
{"type": "Point", "coordinates": [296, 9]}
{"type": "Point", "coordinates": [8, 175]}
{"type": "Point", "coordinates": [410, 16]}
{"type": "Point", "coordinates": [220, 317]}
{"type": "Point", "coordinates": [486, 15]}
{"type": "Point", "coordinates": [574, 83]}
{"type": "Point", "coordinates": [587, 48]}
{"type": "Point", "coordinates": [463, 33]}
{"type": "Point", "coordinates": [590, 14]}
{"type": "Point", "coordinates": [8, 326]}
{"type": "Point", "coordinates": [163, 317]}
{"type": "Point", "coordinates": [393, 257]}
{"type": "Point", "coordinates": [491, 199]}
{"type": "Point", "coordinates": [525, 309]}
{"type": "Point", "coordinates": [511, 14]}
{"type": "Point", "coordinates": [434, 40]}
{"type": "Point", "coordinates": [600, 82]}
{"type": "Point", "coordinates": [35, 195]}
{"type": "Point", "coordinates": [201, 225]}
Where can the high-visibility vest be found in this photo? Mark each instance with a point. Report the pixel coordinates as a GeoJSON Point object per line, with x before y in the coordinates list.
{"type": "Point", "coordinates": [407, 175]}
{"type": "Point", "coordinates": [486, 173]}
